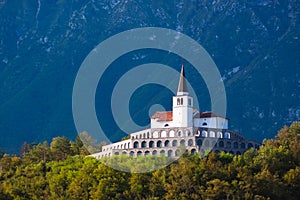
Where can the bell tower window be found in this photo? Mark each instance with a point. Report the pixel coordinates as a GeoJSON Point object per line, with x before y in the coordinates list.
{"type": "Point", "coordinates": [181, 101]}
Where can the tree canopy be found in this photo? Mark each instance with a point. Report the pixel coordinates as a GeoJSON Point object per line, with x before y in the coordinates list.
{"type": "Point", "coordinates": [62, 170]}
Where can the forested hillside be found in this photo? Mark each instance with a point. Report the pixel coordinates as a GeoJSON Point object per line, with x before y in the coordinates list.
{"type": "Point", "coordinates": [62, 171]}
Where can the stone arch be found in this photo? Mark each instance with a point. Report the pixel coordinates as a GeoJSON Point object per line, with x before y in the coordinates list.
{"type": "Point", "coordinates": [250, 145]}
{"type": "Point", "coordinates": [179, 133]}
{"type": "Point", "coordinates": [139, 153]}
{"type": "Point", "coordinates": [147, 153]}
{"type": "Point", "coordinates": [155, 134]}
{"type": "Point", "coordinates": [170, 153]}
{"type": "Point", "coordinates": [199, 142]}
{"type": "Point", "coordinates": [136, 144]}
{"type": "Point", "coordinates": [144, 144]}
{"type": "Point", "coordinates": [243, 145]}
{"type": "Point", "coordinates": [182, 142]}
{"type": "Point", "coordinates": [151, 144]}
{"type": "Point", "coordinates": [193, 151]}
{"type": "Point", "coordinates": [190, 142]}
{"type": "Point", "coordinates": [219, 134]}
{"type": "Point", "coordinates": [154, 152]}
{"type": "Point", "coordinates": [212, 134]}
{"type": "Point", "coordinates": [167, 143]}
{"type": "Point", "coordinates": [172, 133]}
{"type": "Point", "coordinates": [116, 153]}
{"type": "Point", "coordinates": [158, 143]}
{"type": "Point", "coordinates": [124, 152]}
{"type": "Point", "coordinates": [228, 144]}
{"type": "Point", "coordinates": [163, 134]}
{"type": "Point", "coordinates": [235, 145]}
{"type": "Point", "coordinates": [162, 152]}
{"type": "Point", "coordinates": [221, 144]}
{"type": "Point", "coordinates": [203, 133]}
{"type": "Point", "coordinates": [131, 153]}
{"type": "Point", "coordinates": [187, 132]}
{"type": "Point", "coordinates": [174, 143]}
{"type": "Point", "coordinates": [227, 135]}
{"type": "Point", "coordinates": [177, 152]}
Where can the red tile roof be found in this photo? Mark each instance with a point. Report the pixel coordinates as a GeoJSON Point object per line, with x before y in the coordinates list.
{"type": "Point", "coordinates": [163, 116]}
{"type": "Point", "coordinates": [168, 115]}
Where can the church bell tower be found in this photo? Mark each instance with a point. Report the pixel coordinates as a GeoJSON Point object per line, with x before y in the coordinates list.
{"type": "Point", "coordinates": [182, 104]}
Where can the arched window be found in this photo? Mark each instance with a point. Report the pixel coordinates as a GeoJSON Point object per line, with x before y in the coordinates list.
{"type": "Point", "coordinates": [177, 152]}
{"type": "Point", "coordinates": [154, 152]}
{"type": "Point", "coordinates": [250, 145]}
{"type": "Point", "coordinates": [212, 134]}
{"type": "Point", "coordinates": [199, 142]}
{"type": "Point", "coordinates": [167, 143]}
{"type": "Point", "coordinates": [158, 144]}
{"type": "Point", "coordinates": [148, 135]}
{"type": "Point", "coordinates": [243, 145]}
{"type": "Point", "coordinates": [144, 144]}
{"type": "Point", "coordinates": [162, 152]}
{"type": "Point", "coordinates": [221, 144]}
{"type": "Point", "coordinates": [235, 145]}
{"type": "Point", "coordinates": [139, 153]}
{"type": "Point", "coordinates": [179, 133]}
{"type": "Point", "coordinates": [124, 152]}
{"type": "Point", "coordinates": [166, 125]}
{"type": "Point", "coordinates": [172, 133]}
{"type": "Point", "coordinates": [228, 144]}
{"type": "Point", "coordinates": [144, 135]}
{"type": "Point", "coordinates": [116, 153]}
{"type": "Point", "coordinates": [182, 142]}
{"type": "Point", "coordinates": [163, 134]}
{"type": "Point", "coordinates": [219, 134]}
{"type": "Point", "coordinates": [204, 124]}
{"type": "Point", "coordinates": [193, 151]}
{"type": "Point", "coordinates": [227, 135]}
{"type": "Point", "coordinates": [187, 133]}
{"type": "Point", "coordinates": [136, 144]}
{"type": "Point", "coordinates": [203, 133]}
{"type": "Point", "coordinates": [170, 153]}
{"type": "Point", "coordinates": [174, 143]}
{"type": "Point", "coordinates": [178, 101]}
{"type": "Point", "coordinates": [147, 153]}
{"type": "Point", "coordinates": [155, 134]}
{"type": "Point", "coordinates": [151, 144]}
{"type": "Point", "coordinates": [190, 142]}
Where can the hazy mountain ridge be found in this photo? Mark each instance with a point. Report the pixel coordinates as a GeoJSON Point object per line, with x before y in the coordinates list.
{"type": "Point", "coordinates": [43, 43]}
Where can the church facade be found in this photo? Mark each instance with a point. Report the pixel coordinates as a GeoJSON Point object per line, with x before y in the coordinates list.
{"type": "Point", "coordinates": [182, 129]}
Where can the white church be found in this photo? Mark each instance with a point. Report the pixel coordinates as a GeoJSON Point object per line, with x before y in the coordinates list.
{"type": "Point", "coordinates": [182, 128]}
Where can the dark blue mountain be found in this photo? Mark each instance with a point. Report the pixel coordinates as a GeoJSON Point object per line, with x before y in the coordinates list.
{"type": "Point", "coordinates": [254, 43]}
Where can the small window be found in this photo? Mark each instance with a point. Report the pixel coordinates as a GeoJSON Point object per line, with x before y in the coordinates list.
{"type": "Point", "coordinates": [178, 101]}
{"type": "Point", "coordinates": [190, 102]}
{"type": "Point", "coordinates": [181, 101]}
{"type": "Point", "coordinates": [204, 124]}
